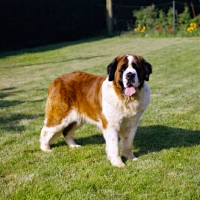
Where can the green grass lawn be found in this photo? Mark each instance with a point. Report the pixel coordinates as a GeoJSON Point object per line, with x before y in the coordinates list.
{"type": "Point", "coordinates": [167, 142]}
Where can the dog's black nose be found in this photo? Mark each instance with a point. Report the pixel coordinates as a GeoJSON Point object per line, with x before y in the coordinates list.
{"type": "Point", "coordinates": [130, 76]}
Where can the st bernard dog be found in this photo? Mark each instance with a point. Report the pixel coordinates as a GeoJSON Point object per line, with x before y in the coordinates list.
{"type": "Point", "coordinates": [115, 103]}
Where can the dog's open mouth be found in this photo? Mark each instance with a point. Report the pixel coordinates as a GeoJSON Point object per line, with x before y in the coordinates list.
{"type": "Point", "coordinates": [130, 90]}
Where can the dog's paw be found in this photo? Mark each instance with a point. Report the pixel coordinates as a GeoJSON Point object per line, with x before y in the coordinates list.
{"type": "Point", "coordinates": [120, 165]}
{"type": "Point", "coordinates": [45, 148]}
{"type": "Point", "coordinates": [118, 162]}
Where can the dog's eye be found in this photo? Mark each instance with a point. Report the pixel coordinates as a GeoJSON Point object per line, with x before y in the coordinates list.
{"type": "Point", "coordinates": [123, 68]}
{"type": "Point", "coordinates": [135, 66]}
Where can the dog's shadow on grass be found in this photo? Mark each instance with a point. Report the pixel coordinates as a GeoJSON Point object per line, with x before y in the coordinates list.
{"type": "Point", "coordinates": [156, 138]}
{"type": "Point", "coordinates": [84, 141]}
{"type": "Point", "coordinates": [150, 139]}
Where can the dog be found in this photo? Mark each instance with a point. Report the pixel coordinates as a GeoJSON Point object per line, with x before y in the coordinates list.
{"type": "Point", "coordinates": [115, 103]}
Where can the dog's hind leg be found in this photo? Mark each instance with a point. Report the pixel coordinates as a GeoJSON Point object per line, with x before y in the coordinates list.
{"type": "Point", "coordinates": [68, 134]}
{"type": "Point", "coordinates": [48, 136]}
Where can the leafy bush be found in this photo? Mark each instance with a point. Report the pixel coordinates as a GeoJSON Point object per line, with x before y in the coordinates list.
{"type": "Point", "coordinates": [150, 20]}
{"type": "Point", "coordinates": [184, 17]}
{"type": "Point", "coordinates": [146, 16]}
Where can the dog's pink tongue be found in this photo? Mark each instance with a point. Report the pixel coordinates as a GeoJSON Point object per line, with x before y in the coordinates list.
{"type": "Point", "coordinates": [129, 91]}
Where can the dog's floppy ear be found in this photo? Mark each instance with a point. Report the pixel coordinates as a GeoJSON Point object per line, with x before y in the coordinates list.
{"type": "Point", "coordinates": [147, 69]}
{"type": "Point", "coordinates": [111, 69]}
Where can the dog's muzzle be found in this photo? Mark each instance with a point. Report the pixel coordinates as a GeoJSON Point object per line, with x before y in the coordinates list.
{"type": "Point", "coordinates": [130, 77]}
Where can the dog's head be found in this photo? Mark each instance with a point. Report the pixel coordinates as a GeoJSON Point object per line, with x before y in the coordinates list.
{"type": "Point", "coordinates": [128, 72]}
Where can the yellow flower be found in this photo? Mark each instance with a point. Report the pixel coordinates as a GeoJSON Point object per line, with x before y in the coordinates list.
{"type": "Point", "coordinates": [143, 29]}
{"type": "Point", "coordinates": [189, 29]}
{"type": "Point", "coordinates": [140, 28]}
{"type": "Point", "coordinates": [194, 25]}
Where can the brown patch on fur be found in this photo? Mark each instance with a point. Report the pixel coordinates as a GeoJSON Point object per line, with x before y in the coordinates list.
{"type": "Point", "coordinates": [139, 62]}
{"type": "Point", "coordinates": [78, 90]}
{"type": "Point", "coordinates": [104, 122]}
{"type": "Point", "coordinates": [120, 61]}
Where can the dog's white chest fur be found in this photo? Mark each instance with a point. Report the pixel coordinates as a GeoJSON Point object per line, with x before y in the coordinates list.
{"type": "Point", "coordinates": [116, 109]}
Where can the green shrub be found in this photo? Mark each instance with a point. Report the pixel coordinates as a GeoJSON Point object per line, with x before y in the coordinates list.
{"type": "Point", "coordinates": [184, 17]}
{"type": "Point", "coordinates": [151, 21]}
{"type": "Point", "coordinates": [146, 16]}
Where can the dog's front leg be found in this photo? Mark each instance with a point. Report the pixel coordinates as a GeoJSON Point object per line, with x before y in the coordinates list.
{"type": "Point", "coordinates": [127, 142]}
{"type": "Point", "coordinates": [112, 148]}
{"type": "Point", "coordinates": [128, 135]}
